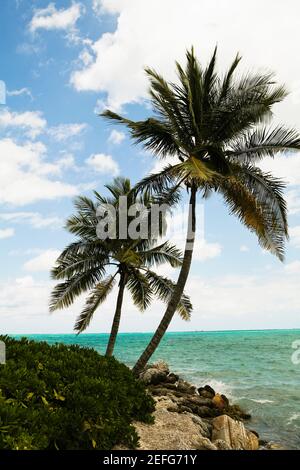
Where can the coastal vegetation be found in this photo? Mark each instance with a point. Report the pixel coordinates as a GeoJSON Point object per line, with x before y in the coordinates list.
{"type": "Point", "coordinates": [67, 397]}
{"type": "Point", "coordinates": [94, 265]}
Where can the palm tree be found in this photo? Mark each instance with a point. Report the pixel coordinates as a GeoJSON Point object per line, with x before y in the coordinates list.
{"type": "Point", "coordinates": [216, 127]}
{"type": "Point", "coordinates": [92, 264]}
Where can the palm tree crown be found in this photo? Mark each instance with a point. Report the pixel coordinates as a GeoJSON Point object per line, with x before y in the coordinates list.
{"type": "Point", "coordinates": [216, 128]}
{"type": "Point", "coordinates": [91, 264]}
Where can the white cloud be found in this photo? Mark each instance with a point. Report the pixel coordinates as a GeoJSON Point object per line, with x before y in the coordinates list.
{"type": "Point", "coordinates": [6, 233]}
{"type": "Point", "coordinates": [116, 137]}
{"type": "Point", "coordinates": [176, 234]}
{"type": "Point", "coordinates": [42, 262]}
{"type": "Point", "coordinates": [286, 167]}
{"type": "Point", "coordinates": [67, 161]}
{"type": "Point", "coordinates": [100, 106]}
{"type": "Point", "coordinates": [35, 219]}
{"type": "Point", "coordinates": [86, 57]}
{"type": "Point", "coordinates": [244, 248]}
{"type": "Point", "coordinates": [50, 18]}
{"type": "Point", "coordinates": [32, 122]}
{"type": "Point", "coordinates": [104, 164]}
{"type": "Point", "coordinates": [25, 174]}
{"type": "Point", "coordinates": [293, 201]}
{"type": "Point", "coordinates": [295, 236]}
{"type": "Point", "coordinates": [256, 301]}
{"type": "Point", "coordinates": [246, 302]}
{"type": "Point", "coordinates": [23, 296]}
{"type": "Point", "coordinates": [97, 6]}
{"type": "Point", "coordinates": [66, 131]}
{"type": "Point", "coordinates": [293, 267]}
{"type": "Point", "coordinates": [20, 92]}
{"type": "Point", "coordinates": [125, 52]}
{"type": "Point", "coordinates": [204, 250]}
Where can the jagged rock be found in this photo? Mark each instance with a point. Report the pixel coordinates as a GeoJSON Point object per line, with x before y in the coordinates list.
{"type": "Point", "coordinates": [233, 433]}
{"type": "Point", "coordinates": [225, 400]}
{"type": "Point", "coordinates": [170, 386]}
{"type": "Point", "coordinates": [160, 391]}
{"type": "Point", "coordinates": [222, 445]}
{"type": "Point", "coordinates": [206, 391]}
{"type": "Point", "coordinates": [153, 376]}
{"type": "Point", "coordinates": [273, 446]}
{"type": "Point", "coordinates": [162, 366]}
{"type": "Point", "coordinates": [166, 403]}
{"type": "Point", "coordinates": [208, 388]}
{"type": "Point", "coordinates": [155, 373]}
{"type": "Point", "coordinates": [184, 409]}
{"type": "Point", "coordinates": [187, 418]}
{"type": "Point", "coordinates": [183, 386]}
{"type": "Point", "coordinates": [236, 412]}
{"type": "Point", "coordinates": [206, 427]}
{"type": "Point", "coordinates": [205, 412]}
{"type": "Point", "coordinates": [206, 444]}
{"type": "Point", "coordinates": [219, 402]}
{"type": "Point", "coordinates": [195, 400]}
{"type": "Point", "coordinates": [171, 431]}
{"type": "Point", "coordinates": [172, 378]}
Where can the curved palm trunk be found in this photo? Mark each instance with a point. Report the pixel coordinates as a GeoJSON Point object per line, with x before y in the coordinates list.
{"type": "Point", "coordinates": [183, 275]}
{"type": "Point", "coordinates": [117, 317]}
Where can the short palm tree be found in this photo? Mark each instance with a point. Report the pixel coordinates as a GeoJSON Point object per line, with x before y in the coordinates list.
{"type": "Point", "coordinates": [216, 129]}
{"type": "Point", "coordinates": [92, 264]}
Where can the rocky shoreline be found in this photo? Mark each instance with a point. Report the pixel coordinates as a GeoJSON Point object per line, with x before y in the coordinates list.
{"type": "Point", "coordinates": [190, 418]}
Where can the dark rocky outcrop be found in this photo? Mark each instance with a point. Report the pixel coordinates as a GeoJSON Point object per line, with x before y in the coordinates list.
{"type": "Point", "coordinates": [187, 417]}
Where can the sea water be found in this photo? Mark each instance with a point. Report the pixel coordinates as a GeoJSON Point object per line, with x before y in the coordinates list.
{"type": "Point", "coordinates": [253, 368]}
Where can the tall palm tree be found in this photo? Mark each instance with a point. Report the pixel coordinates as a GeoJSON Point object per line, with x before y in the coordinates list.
{"type": "Point", "coordinates": [92, 264]}
{"type": "Point", "coordinates": [216, 127]}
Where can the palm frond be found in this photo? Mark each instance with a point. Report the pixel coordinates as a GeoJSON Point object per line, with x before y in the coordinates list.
{"type": "Point", "coordinates": [158, 183]}
{"type": "Point", "coordinates": [140, 289]}
{"type": "Point", "coordinates": [225, 85]}
{"type": "Point", "coordinates": [82, 226]}
{"type": "Point", "coordinates": [119, 187]}
{"type": "Point", "coordinates": [164, 253]}
{"type": "Point", "coordinates": [165, 103]}
{"type": "Point", "coordinates": [268, 191]}
{"type": "Point", "coordinates": [257, 216]}
{"type": "Point", "coordinates": [155, 135]}
{"type": "Point", "coordinates": [64, 294]}
{"type": "Point", "coordinates": [163, 288]}
{"type": "Point", "coordinates": [79, 263]}
{"type": "Point", "coordinates": [97, 248]}
{"type": "Point", "coordinates": [96, 298]}
{"type": "Point", "coordinates": [264, 142]}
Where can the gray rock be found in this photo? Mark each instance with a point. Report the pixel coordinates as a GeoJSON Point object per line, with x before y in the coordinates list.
{"type": "Point", "coordinates": [153, 376]}
{"type": "Point", "coordinates": [206, 391]}
{"type": "Point", "coordinates": [222, 445]}
{"type": "Point", "coordinates": [185, 387]}
{"type": "Point", "coordinates": [172, 378]}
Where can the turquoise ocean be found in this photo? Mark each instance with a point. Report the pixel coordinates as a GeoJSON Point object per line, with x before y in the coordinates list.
{"type": "Point", "coordinates": [253, 368]}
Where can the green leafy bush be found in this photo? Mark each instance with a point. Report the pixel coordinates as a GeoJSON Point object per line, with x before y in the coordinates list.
{"type": "Point", "coordinates": [67, 397]}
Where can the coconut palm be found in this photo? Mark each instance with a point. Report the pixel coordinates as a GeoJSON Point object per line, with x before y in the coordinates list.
{"type": "Point", "coordinates": [92, 264]}
{"type": "Point", "coordinates": [216, 128]}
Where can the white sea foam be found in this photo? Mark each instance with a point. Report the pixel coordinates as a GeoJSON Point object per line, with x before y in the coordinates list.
{"type": "Point", "coordinates": [294, 417]}
{"type": "Point", "coordinates": [262, 401]}
{"type": "Point", "coordinates": [218, 386]}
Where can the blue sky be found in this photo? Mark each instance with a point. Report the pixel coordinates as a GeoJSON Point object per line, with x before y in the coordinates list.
{"type": "Point", "coordinates": [64, 61]}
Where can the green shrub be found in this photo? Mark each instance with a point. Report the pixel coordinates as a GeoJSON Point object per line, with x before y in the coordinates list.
{"type": "Point", "coordinates": [67, 397]}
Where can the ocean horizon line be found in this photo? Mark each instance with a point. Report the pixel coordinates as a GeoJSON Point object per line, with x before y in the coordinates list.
{"type": "Point", "coordinates": [152, 332]}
